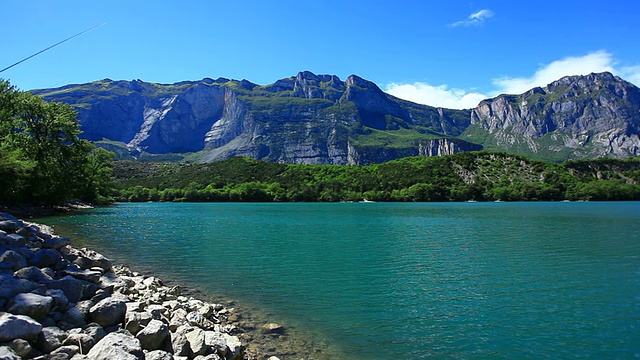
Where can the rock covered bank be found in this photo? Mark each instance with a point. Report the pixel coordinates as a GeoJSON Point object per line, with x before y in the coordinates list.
{"type": "Point", "coordinates": [59, 302]}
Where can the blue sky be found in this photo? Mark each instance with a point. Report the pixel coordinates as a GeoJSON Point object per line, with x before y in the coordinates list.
{"type": "Point", "coordinates": [442, 53]}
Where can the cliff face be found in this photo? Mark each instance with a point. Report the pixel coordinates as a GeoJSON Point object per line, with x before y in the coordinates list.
{"type": "Point", "coordinates": [319, 119]}
{"type": "Point", "coordinates": [578, 116]}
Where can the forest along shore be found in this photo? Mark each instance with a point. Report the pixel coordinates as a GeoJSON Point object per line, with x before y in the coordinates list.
{"type": "Point", "coordinates": [59, 302]}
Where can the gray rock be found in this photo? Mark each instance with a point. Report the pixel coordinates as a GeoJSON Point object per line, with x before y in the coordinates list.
{"type": "Point", "coordinates": [10, 286]}
{"type": "Point", "coordinates": [50, 338]}
{"type": "Point", "coordinates": [18, 327]}
{"type": "Point", "coordinates": [197, 319]}
{"type": "Point", "coordinates": [273, 328]}
{"type": "Point", "coordinates": [84, 342]}
{"type": "Point", "coordinates": [73, 288]}
{"type": "Point", "coordinates": [20, 346]}
{"type": "Point", "coordinates": [117, 345]}
{"type": "Point", "coordinates": [158, 355]}
{"type": "Point", "coordinates": [196, 339]}
{"type": "Point", "coordinates": [108, 312]}
{"type": "Point", "coordinates": [6, 216]}
{"type": "Point", "coordinates": [56, 242]}
{"type": "Point", "coordinates": [32, 273]}
{"type": "Point", "coordinates": [69, 351]}
{"type": "Point", "coordinates": [35, 306]}
{"type": "Point", "coordinates": [87, 275]}
{"type": "Point", "coordinates": [94, 330]}
{"type": "Point", "coordinates": [136, 320]}
{"type": "Point", "coordinates": [46, 258]}
{"type": "Point", "coordinates": [11, 225]}
{"type": "Point", "coordinates": [153, 335]}
{"type": "Point", "coordinates": [12, 260]}
{"type": "Point", "coordinates": [206, 310]}
{"type": "Point", "coordinates": [208, 357]}
{"type": "Point", "coordinates": [225, 344]}
{"type": "Point", "coordinates": [17, 240]}
{"type": "Point", "coordinates": [178, 318]}
{"type": "Point", "coordinates": [84, 306]}
{"type": "Point", "coordinates": [180, 344]}
{"type": "Point", "coordinates": [97, 260]}
{"type": "Point", "coordinates": [7, 353]}
{"type": "Point", "coordinates": [72, 318]}
{"type": "Point", "coordinates": [60, 301]}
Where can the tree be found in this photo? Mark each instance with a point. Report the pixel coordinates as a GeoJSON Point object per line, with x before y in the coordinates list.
{"type": "Point", "coordinates": [42, 156]}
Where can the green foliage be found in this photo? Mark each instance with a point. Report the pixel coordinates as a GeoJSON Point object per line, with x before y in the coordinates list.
{"type": "Point", "coordinates": [42, 159]}
{"type": "Point", "coordinates": [477, 176]}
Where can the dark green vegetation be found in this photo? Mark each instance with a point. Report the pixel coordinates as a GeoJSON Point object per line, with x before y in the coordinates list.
{"type": "Point", "coordinates": [42, 159]}
{"type": "Point", "coordinates": [479, 176]}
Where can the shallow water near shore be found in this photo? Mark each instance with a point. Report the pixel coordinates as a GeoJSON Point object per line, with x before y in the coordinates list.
{"type": "Point", "coordinates": [402, 281]}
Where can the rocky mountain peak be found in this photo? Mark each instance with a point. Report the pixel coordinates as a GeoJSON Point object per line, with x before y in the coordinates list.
{"type": "Point", "coordinates": [588, 116]}
{"type": "Point", "coordinates": [311, 118]}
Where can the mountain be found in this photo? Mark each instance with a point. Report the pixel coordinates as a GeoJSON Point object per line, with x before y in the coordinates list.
{"type": "Point", "coordinates": [320, 119]}
{"type": "Point", "coordinates": [575, 117]}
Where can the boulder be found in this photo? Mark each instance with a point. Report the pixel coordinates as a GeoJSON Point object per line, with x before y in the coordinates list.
{"type": "Point", "coordinates": [108, 312]}
{"type": "Point", "coordinates": [35, 306]}
{"type": "Point", "coordinates": [94, 330]}
{"type": "Point", "coordinates": [66, 351]}
{"type": "Point", "coordinates": [117, 345]}
{"type": "Point", "coordinates": [32, 273]}
{"type": "Point", "coordinates": [197, 319]}
{"type": "Point", "coordinates": [10, 286]}
{"type": "Point", "coordinates": [73, 288]}
{"type": "Point", "coordinates": [18, 327]}
{"type": "Point", "coordinates": [50, 338]}
{"type": "Point", "coordinates": [56, 242]}
{"type": "Point", "coordinates": [206, 310]}
{"type": "Point", "coordinates": [101, 295]}
{"type": "Point", "coordinates": [153, 335]}
{"type": "Point", "coordinates": [179, 343]}
{"type": "Point", "coordinates": [136, 320]}
{"type": "Point", "coordinates": [11, 225]}
{"type": "Point", "coordinates": [6, 216]}
{"type": "Point", "coordinates": [84, 342]}
{"type": "Point", "coordinates": [46, 258]}
{"type": "Point", "coordinates": [60, 301]}
{"type": "Point", "coordinates": [78, 273]}
{"type": "Point", "coordinates": [273, 328]}
{"type": "Point", "coordinates": [20, 346]}
{"type": "Point", "coordinates": [7, 353]}
{"type": "Point", "coordinates": [72, 318]}
{"type": "Point", "coordinates": [94, 260]}
{"type": "Point", "coordinates": [12, 260]}
{"type": "Point", "coordinates": [178, 318]}
{"type": "Point", "coordinates": [196, 341]}
{"type": "Point", "coordinates": [158, 355]}
{"type": "Point", "coordinates": [16, 240]}
{"type": "Point", "coordinates": [224, 344]}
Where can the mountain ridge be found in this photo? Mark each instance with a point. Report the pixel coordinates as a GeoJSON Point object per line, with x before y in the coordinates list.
{"type": "Point", "coordinates": [320, 119]}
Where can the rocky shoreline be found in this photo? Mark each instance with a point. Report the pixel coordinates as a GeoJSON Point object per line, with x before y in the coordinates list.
{"type": "Point", "coordinates": [59, 302]}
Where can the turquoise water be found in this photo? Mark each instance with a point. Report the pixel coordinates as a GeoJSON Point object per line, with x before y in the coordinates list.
{"type": "Point", "coordinates": [402, 281]}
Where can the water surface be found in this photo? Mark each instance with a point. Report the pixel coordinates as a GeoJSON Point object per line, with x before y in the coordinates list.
{"type": "Point", "coordinates": [401, 281]}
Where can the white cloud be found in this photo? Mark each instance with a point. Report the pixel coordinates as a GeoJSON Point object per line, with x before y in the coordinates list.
{"type": "Point", "coordinates": [631, 74]}
{"type": "Point", "coordinates": [443, 96]}
{"type": "Point", "coordinates": [598, 61]}
{"type": "Point", "coordinates": [474, 19]}
{"type": "Point", "coordinates": [438, 96]}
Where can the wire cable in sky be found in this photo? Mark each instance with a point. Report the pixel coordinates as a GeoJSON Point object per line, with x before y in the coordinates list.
{"type": "Point", "coordinates": [52, 46]}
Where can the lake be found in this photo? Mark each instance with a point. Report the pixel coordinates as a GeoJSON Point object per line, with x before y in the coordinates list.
{"type": "Point", "coordinates": [396, 280]}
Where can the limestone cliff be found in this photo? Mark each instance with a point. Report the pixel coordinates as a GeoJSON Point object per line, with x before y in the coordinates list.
{"type": "Point", "coordinates": [320, 119]}
{"type": "Point", "coordinates": [575, 117]}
